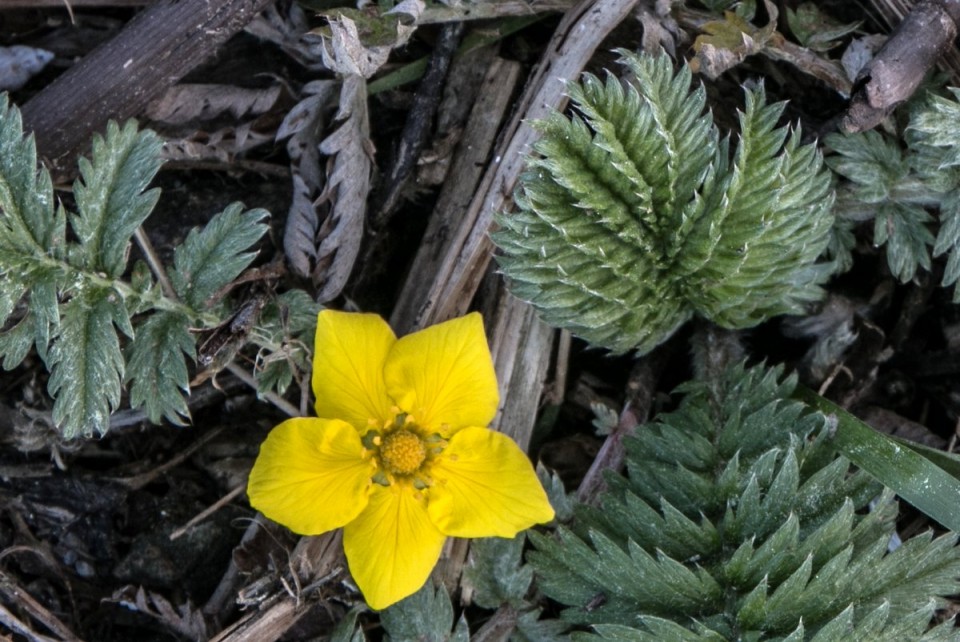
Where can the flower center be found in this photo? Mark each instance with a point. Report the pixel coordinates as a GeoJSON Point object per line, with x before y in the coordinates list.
{"type": "Point", "coordinates": [402, 452]}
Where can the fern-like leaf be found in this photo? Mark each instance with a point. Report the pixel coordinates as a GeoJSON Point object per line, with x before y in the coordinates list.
{"type": "Point", "coordinates": [157, 368]}
{"type": "Point", "coordinates": [737, 520]}
{"type": "Point", "coordinates": [935, 124]}
{"type": "Point", "coordinates": [87, 364]}
{"type": "Point", "coordinates": [110, 195]}
{"type": "Point", "coordinates": [28, 225]}
{"type": "Point", "coordinates": [212, 257]}
{"type": "Point", "coordinates": [288, 324]}
{"type": "Point", "coordinates": [632, 218]}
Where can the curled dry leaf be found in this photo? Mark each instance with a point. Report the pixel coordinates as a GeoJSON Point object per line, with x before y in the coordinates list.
{"type": "Point", "coordinates": [286, 25]}
{"type": "Point", "coordinates": [184, 114]}
{"type": "Point", "coordinates": [325, 224]}
{"type": "Point", "coordinates": [184, 620]}
{"type": "Point", "coordinates": [221, 145]}
{"type": "Point", "coordinates": [189, 102]}
{"type": "Point", "coordinates": [348, 185]}
{"type": "Point", "coordinates": [729, 41]}
{"type": "Point", "coordinates": [303, 127]}
{"type": "Point", "coordinates": [348, 55]}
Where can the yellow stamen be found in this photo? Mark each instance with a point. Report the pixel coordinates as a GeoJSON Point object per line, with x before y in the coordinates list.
{"type": "Point", "coordinates": [402, 452]}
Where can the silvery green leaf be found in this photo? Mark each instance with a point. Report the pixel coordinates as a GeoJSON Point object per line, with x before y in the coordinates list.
{"type": "Point", "coordinates": [497, 572]}
{"type": "Point", "coordinates": [157, 368]}
{"type": "Point", "coordinates": [111, 201]}
{"type": "Point", "coordinates": [212, 257]}
{"type": "Point", "coordinates": [86, 365]}
{"type": "Point", "coordinates": [633, 217]}
{"type": "Point", "coordinates": [425, 616]}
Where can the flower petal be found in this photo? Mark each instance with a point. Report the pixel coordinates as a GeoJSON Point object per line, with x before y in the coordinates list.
{"type": "Point", "coordinates": [310, 475]}
{"type": "Point", "coordinates": [484, 486]}
{"type": "Point", "coordinates": [392, 546]}
{"type": "Point", "coordinates": [444, 375]}
{"type": "Point", "coordinates": [348, 362]}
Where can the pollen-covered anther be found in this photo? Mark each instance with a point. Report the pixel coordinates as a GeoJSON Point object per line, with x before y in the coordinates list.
{"type": "Point", "coordinates": [402, 452]}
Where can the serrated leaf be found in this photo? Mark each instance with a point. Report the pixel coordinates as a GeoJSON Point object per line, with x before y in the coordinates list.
{"type": "Point", "coordinates": [156, 367]}
{"type": "Point", "coordinates": [45, 306]}
{"type": "Point", "coordinates": [497, 574]}
{"type": "Point", "coordinates": [935, 124]}
{"type": "Point", "coordinates": [869, 160]}
{"type": "Point", "coordinates": [212, 257]}
{"type": "Point", "coordinates": [289, 322]}
{"type": "Point", "coordinates": [795, 546]}
{"type": "Point", "coordinates": [903, 228]}
{"type": "Point", "coordinates": [816, 30]}
{"type": "Point", "coordinates": [28, 224]}
{"type": "Point", "coordinates": [726, 43]}
{"type": "Point", "coordinates": [425, 616]}
{"type": "Point", "coordinates": [344, 199]}
{"type": "Point", "coordinates": [634, 219]}
{"type": "Point", "coordinates": [530, 628]}
{"type": "Point", "coordinates": [16, 342]}
{"type": "Point", "coordinates": [347, 630]}
{"type": "Point", "coordinates": [86, 365]}
{"type": "Point", "coordinates": [111, 200]}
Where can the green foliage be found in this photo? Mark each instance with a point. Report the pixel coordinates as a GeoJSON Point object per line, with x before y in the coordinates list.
{"type": "Point", "coordinates": [66, 295]}
{"type": "Point", "coordinates": [212, 257]}
{"type": "Point", "coordinates": [635, 217]}
{"type": "Point", "coordinates": [900, 187]}
{"type": "Point", "coordinates": [816, 30]}
{"type": "Point", "coordinates": [286, 329]}
{"type": "Point", "coordinates": [496, 574]}
{"type": "Point", "coordinates": [737, 520]}
{"type": "Point", "coordinates": [425, 616]}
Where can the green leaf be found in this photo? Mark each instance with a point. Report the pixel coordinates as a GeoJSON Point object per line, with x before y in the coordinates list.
{"type": "Point", "coordinates": [425, 616]}
{"type": "Point", "coordinates": [935, 124]}
{"type": "Point", "coordinates": [289, 323]}
{"type": "Point", "coordinates": [816, 30]}
{"type": "Point", "coordinates": [347, 630]}
{"type": "Point", "coordinates": [28, 224]}
{"type": "Point", "coordinates": [211, 258]}
{"type": "Point", "coordinates": [156, 367]}
{"type": "Point", "coordinates": [16, 342]}
{"type": "Point", "coordinates": [914, 477]}
{"type": "Point", "coordinates": [497, 574]}
{"type": "Point", "coordinates": [86, 364]}
{"type": "Point", "coordinates": [739, 520]}
{"type": "Point", "coordinates": [903, 228]}
{"type": "Point", "coordinates": [633, 218]}
{"type": "Point", "coordinates": [870, 161]}
{"type": "Point", "coordinates": [532, 629]}
{"type": "Point", "coordinates": [45, 307]}
{"type": "Point", "coordinates": [110, 196]}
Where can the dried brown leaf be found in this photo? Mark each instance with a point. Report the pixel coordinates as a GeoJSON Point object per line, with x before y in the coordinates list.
{"type": "Point", "coordinates": [303, 127]}
{"type": "Point", "coordinates": [189, 102]}
{"type": "Point", "coordinates": [730, 41]}
{"type": "Point", "coordinates": [345, 52]}
{"type": "Point", "coordinates": [348, 185]}
{"type": "Point", "coordinates": [185, 620]}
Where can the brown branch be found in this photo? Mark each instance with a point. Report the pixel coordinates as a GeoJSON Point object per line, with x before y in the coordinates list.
{"type": "Point", "coordinates": [118, 79]}
{"type": "Point", "coordinates": [897, 70]}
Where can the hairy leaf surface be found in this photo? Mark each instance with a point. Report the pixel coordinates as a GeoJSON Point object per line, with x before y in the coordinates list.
{"type": "Point", "coordinates": [633, 217]}
{"type": "Point", "coordinates": [111, 202]}
{"type": "Point", "coordinates": [212, 257]}
{"type": "Point", "coordinates": [157, 368]}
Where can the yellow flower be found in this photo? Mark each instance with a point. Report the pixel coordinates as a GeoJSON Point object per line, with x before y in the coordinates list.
{"type": "Point", "coordinates": [399, 455]}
